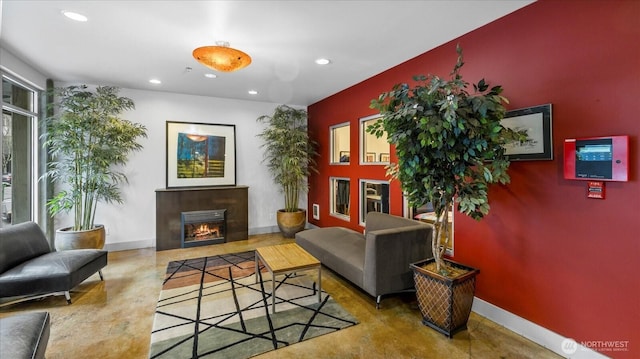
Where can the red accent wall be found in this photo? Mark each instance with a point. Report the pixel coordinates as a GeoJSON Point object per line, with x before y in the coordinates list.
{"type": "Point", "coordinates": [546, 252]}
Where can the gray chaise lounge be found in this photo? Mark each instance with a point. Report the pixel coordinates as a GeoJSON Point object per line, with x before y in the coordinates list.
{"type": "Point", "coordinates": [377, 262]}
{"type": "Point", "coordinates": [28, 267]}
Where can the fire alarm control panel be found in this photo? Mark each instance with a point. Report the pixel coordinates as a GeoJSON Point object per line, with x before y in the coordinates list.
{"type": "Point", "coordinates": [597, 158]}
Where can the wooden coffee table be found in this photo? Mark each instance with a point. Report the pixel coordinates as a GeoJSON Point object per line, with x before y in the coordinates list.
{"type": "Point", "coordinates": [285, 259]}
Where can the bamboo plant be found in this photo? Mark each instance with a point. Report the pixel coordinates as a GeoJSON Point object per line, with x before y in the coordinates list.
{"type": "Point", "coordinates": [449, 145]}
{"type": "Point", "coordinates": [289, 152]}
{"type": "Point", "coordinates": [88, 143]}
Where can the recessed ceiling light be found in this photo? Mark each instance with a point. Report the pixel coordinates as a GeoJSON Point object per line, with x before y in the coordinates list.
{"type": "Point", "coordinates": [74, 16]}
{"type": "Point", "coordinates": [252, 92]}
{"type": "Point", "coordinates": [323, 61]}
{"type": "Point", "coordinates": [210, 75]}
{"type": "Point", "coordinates": [155, 81]}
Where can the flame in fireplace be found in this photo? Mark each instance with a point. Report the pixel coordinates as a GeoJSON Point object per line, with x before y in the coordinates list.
{"type": "Point", "coordinates": [203, 231]}
{"type": "Point", "coordinates": [203, 227]}
{"type": "Point", "coordinates": [206, 230]}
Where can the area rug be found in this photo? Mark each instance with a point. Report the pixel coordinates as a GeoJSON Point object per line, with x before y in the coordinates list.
{"type": "Point", "coordinates": [212, 307]}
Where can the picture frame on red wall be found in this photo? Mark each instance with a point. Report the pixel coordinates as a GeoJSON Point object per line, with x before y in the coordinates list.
{"type": "Point", "coordinates": [537, 122]}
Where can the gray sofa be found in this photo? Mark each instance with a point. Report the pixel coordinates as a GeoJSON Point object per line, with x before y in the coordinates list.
{"type": "Point", "coordinates": [24, 336]}
{"type": "Point", "coordinates": [28, 266]}
{"type": "Point", "coordinates": [378, 261]}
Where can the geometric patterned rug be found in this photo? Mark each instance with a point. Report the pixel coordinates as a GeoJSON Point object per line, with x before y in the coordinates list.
{"type": "Point", "coordinates": [211, 307]}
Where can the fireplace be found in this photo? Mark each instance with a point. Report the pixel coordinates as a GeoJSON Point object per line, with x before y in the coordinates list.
{"type": "Point", "coordinates": [201, 228]}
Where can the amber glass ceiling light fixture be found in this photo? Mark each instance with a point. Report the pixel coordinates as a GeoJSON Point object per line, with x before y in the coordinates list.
{"type": "Point", "coordinates": [222, 57]}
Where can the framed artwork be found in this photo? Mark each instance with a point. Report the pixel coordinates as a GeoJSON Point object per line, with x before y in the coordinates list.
{"type": "Point", "coordinates": [370, 157]}
{"type": "Point", "coordinates": [537, 122]}
{"type": "Point", "coordinates": [200, 155]}
{"type": "Point", "coordinates": [384, 157]}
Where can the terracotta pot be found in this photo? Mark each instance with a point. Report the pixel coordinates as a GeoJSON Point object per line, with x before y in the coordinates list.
{"type": "Point", "coordinates": [89, 239]}
{"type": "Point", "coordinates": [445, 303]}
{"type": "Point", "coordinates": [291, 223]}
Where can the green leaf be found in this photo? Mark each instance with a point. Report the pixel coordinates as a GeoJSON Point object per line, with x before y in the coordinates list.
{"type": "Point", "coordinates": [443, 136]}
{"type": "Point", "coordinates": [88, 141]}
{"type": "Point", "coordinates": [290, 154]}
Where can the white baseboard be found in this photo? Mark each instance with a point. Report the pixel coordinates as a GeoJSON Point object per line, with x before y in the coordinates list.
{"type": "Point", "coordinates": [148, 243]}
{"type": "Point", "coordinates": [125, 246]}
{"type": "Point", "coordinates": [272, 229]}
{"type": "Point", "coordinates": [263, 230]}
{"type": "Point", "coordinates": [557, 343]}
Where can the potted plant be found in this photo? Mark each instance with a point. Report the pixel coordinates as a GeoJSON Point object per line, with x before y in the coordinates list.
{"type": "Point", "coordinates": [450, 147]}
{"type": "Point", "coordinates": [87, 142]}
{"type": "Point", "coordinates": [289, 154]}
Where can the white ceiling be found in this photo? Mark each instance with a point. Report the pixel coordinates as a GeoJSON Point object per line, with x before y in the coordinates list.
{"type": "Point", "coordinates": [126, 43]}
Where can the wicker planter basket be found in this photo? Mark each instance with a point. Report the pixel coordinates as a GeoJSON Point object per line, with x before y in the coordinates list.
{"type": "Point", "coordinates": [445, 303]}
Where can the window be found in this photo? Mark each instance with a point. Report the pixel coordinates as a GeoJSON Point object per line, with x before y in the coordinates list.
{"type": "Point", "coordinates": [373, 150]}
{"type": "Point", "coordinates": [340, 197]}
{"type": "Point", "coordinates": [340, 143]}
{"type": "Point", "coordinates": [18, 142]}
{"type": "Point", "coordinates": [374, 197]}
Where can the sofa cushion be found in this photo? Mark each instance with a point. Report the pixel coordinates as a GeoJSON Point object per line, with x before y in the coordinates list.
{"type": "Point", "coordinates": [24, 335]}
{"type": "Point", "coordinates": [52, 272]}
{"type": "Point", "coordinates": [20, 243]}
{"type": "Point", "coordinates": [340, 249]}
{"type": "Point", "coordinates": [377, 221]}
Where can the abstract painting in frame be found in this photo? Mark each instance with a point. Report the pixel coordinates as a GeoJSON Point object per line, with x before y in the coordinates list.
{"type": "Point", "coordinates": [200, 154]}
{"type": "Point", "coordinates": [536, 121]}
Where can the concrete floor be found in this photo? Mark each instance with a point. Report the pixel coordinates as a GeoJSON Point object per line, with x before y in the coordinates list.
{"type": "Point", "coordinates": [113, 319]}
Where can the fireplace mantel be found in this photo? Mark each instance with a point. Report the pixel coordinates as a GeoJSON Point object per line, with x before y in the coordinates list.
{"type": "Point", "coordinates": [170, 203]}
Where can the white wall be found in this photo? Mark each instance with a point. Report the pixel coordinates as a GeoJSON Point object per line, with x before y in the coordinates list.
{"type": "Point", "coordinates": [21, 71]}
{"type": "Point", "coordinates": [132, 224]}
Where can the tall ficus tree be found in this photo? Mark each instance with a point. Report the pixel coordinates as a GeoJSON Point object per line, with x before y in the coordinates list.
{"type": "Point", "coordinates": [449, 145]}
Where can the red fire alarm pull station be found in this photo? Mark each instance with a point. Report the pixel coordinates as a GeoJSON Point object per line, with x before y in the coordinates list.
{"type": "Point", "coordinates": [596, 189]}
